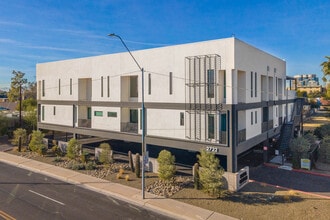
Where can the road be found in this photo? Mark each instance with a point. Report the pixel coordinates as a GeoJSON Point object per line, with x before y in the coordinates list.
{"type": "Point", "coordinates": [290, 179]}
{"type": "Point", "coordinates": [28, 195]}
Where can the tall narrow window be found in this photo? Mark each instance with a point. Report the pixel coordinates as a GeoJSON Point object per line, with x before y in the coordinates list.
{"type": "Point", "coordinates": [59, 86]}
{"type": "Point", "coordinates": [89, 113]}
{"type": "Point", "coordinates": [43, 113]}
{"type": "Point", "coordinates": [210, 126]}
{"type": "Point", "coordinates": [251, 118]}
{"type": "Point", "coordinates": [181, 118]}
{"type": "Point", "coordinates": [70, 86]}
{"type": "Point", "coordinates": [210, 83]}
{"type": "Point", "coordinates": [133, 87]}
{"type": "Point", "coordinates": [256, 117]}
{"type": "Point", "coordinates": [171, 82]}
{"type": "Point", "coordinates": [101, 86]}
{"type": "Point", "coordinates": [43, 87]}
{"type": "Point", "coordinates": [108, 87]}
{"type": "Point", "coordinates": [251, 84]}
{"type": "Point", "coordinates": [224, 85]}
{"type": "Point", "coordinates": [276, 85]}
{"type": "Point", "coordinates": [133, 116]}
{"type": "Point", "coordinates": [223, 122]}
{"type": "Point", "coordinates": [54, 110]}
{"type": "Point", "coordinates": [149, 84]}
{"type": "Point", "coordinates": [255, 84]}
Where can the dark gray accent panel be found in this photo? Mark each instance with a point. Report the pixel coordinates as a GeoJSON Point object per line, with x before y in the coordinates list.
{"type": "Point", "coordinates": [161, 141]}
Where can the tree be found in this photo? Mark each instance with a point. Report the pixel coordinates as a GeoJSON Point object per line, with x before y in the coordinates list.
{"type": "Point", "coordinates": [210, 173]}
{"type": "Point", "coordinates": [3, 125]}
{"type": "Point", "coordinates": [36, 144]}
{"type": "Point", "coordinates": [73, 149]}
{"type": "Point", "coordinates": [17, 81]}
{"type": "Point", "coordinates": [324, 152]}
{"type": "Point", "coordinates": [166, 162]}
{"type": "Point", "coordinates": [326, 68]}
{"type": "Point", "coordinates": [30, 120]}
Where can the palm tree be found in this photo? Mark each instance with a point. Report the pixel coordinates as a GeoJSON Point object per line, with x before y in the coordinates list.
{"type": "Point", "coordinates": [326, 68]}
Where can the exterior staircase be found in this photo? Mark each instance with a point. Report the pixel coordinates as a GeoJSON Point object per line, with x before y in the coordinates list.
{"type": "Point", "coordinates": [287, 130]}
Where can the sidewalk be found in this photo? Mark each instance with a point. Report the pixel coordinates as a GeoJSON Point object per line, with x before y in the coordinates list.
{"type": "Point", "coordinates": [169, 207]}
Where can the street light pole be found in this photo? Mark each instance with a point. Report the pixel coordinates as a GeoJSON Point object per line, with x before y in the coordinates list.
{"type": "Point", "coordinates": [142, 114]}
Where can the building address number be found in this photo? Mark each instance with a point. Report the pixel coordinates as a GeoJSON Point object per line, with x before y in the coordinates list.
{"type": "Point", "coordinates": [212, 149]}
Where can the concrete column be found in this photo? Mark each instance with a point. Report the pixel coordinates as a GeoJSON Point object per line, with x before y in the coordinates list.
{"type": "Point", "coordinates": [232, 155]}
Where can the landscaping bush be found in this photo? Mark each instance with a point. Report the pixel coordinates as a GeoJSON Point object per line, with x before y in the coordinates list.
{"type": "Point", "coordinates": [299, 147]}
{"type": "Point", "coordinates": [90, 165]}
{"type": "Point", "coordinates": [19, 132]}
{"type": "Point", "coordinates": [322, 131]}
{"type": "Point", "coordinates": [106, 154]}
{"type": "Point", "coordinates": [36, 144]}
{"type": "Point", "coordinates": [73, 149]}
{"type": "Point", "coordinates": [166, 165]}
{"type": "Point", "coordinates": [324, 151]}
{"type": "Point", "coordinates": [210, 173]}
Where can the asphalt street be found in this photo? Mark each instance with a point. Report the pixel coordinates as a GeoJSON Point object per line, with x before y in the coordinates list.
{"type": "Point", "coordinates": [28, 195]}
{"type": "Point", "coordinates": [290, 179]}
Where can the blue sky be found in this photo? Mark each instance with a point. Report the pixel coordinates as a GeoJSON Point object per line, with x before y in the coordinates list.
{"type": "Point", "coordinates": [37, 31]}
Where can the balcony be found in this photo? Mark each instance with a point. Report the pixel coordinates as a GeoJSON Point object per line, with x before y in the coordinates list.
{"type": "Point", "coordinates": [241, 136]}
{"type": "Point", "coordinates": [129, 127]}
{"type": "Point", "coordinates": [84, 123]}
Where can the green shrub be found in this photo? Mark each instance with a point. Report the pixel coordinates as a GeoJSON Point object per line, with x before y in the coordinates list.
{"type": "Point", "coordinates": [73, 149]}
{"type": "Point", "coordinates": [84, 157]}
{"type": "Point", "coordinates": [324, 151]}
{"type": "Point", "coordinates": [299, 147]}
{"type": "Point", "coordinates": [19, 132]}
{"type": "Point", "coordinates": [166, 165]}
{"type": "Point", "coordinates": [90, 165]}
{"type": "Point", "coordinates": [78, 166]}
{"type": "Point", "coordinates": [36, 144]}
{"type": "Point", "coordinates": [322, 131]}
{"type": "Point", "coordinates": [106, 154]}
{"type": "Point", "coordinates": [210, 173]}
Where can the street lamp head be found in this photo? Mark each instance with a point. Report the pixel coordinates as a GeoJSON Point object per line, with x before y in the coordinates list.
{"type": "Point", "coordinates": [112, 35]}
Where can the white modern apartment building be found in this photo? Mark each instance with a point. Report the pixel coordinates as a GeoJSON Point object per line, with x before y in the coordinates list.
{"type": "Point", "coordinates": [221, 95]}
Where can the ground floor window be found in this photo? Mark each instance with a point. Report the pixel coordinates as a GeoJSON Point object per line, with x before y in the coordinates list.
{"type": "Point", "coordinates": [98, 113]}
{"type": "Point", "coordinates": [133, 116]}
{"type": "Point", "coordinates": [210, 126]}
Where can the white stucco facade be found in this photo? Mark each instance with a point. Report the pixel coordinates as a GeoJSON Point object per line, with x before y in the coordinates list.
{"type": "Point", "coordinates": [205, 93]}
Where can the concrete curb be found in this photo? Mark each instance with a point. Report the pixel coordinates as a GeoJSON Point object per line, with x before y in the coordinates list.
{"type": "Point", "coordinates": [299, 171]}
{"type": "Point", "coordinates": [169, 207]}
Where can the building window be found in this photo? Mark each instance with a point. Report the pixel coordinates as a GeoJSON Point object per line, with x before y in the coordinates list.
{"type": "Point", "coordinates": [276, 112]}
{"type": "Point", "coordinates": [43, 113]}
{"type": "Point", "coordinates": [181, 118]}
{"type": "Point", "coordinates": [256, 117]}
{"type": "Point", "coordinates": [54, 110]}
{"type": "Point", "coordinates": [43, 87]}
{"type": "Point", "coordinates": [251, 84]}
{"type": "Point", "coordinates": [133, 86]}
{"type": "Point", "coordinates": [251, 118]}
{"type": "Point", "coordinates": [98, 113]}
{"type": "Point", "coordinates": [171, 82]}
{"type": "Point", "coordinates": [210, 126]}
{"type": "Point", "coordinates": [108, 87]}
{"type": "Point", "coordinates": [274, 70]}
{"type": "Point", "coordinates": [112, 114]}
{"type": "Point", "coordinates": [276, 85]}
{"type": "Point", "coordinates": [255, 84]}
{"type": "Point", "coordinates": [133, 116]}
{"type": "Point", "coordinates": [224, 85]}
{"type": "Point", "coordinates": [89, 113]}
{"type": "Point", "coordinates": [267, 68]}
{"type": "Point", "coordinates": [149, 84]}
{"type": "Point", "coordinates": [59, 86]}
{"type": "Point", "coordinates": [210, 83]}
{"type": "Point", "coordinates": [101, 86]}
{"type": "Point", "coordinates": [70, 86]}
{"type": "Point", "coordinates": [223, 122]}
